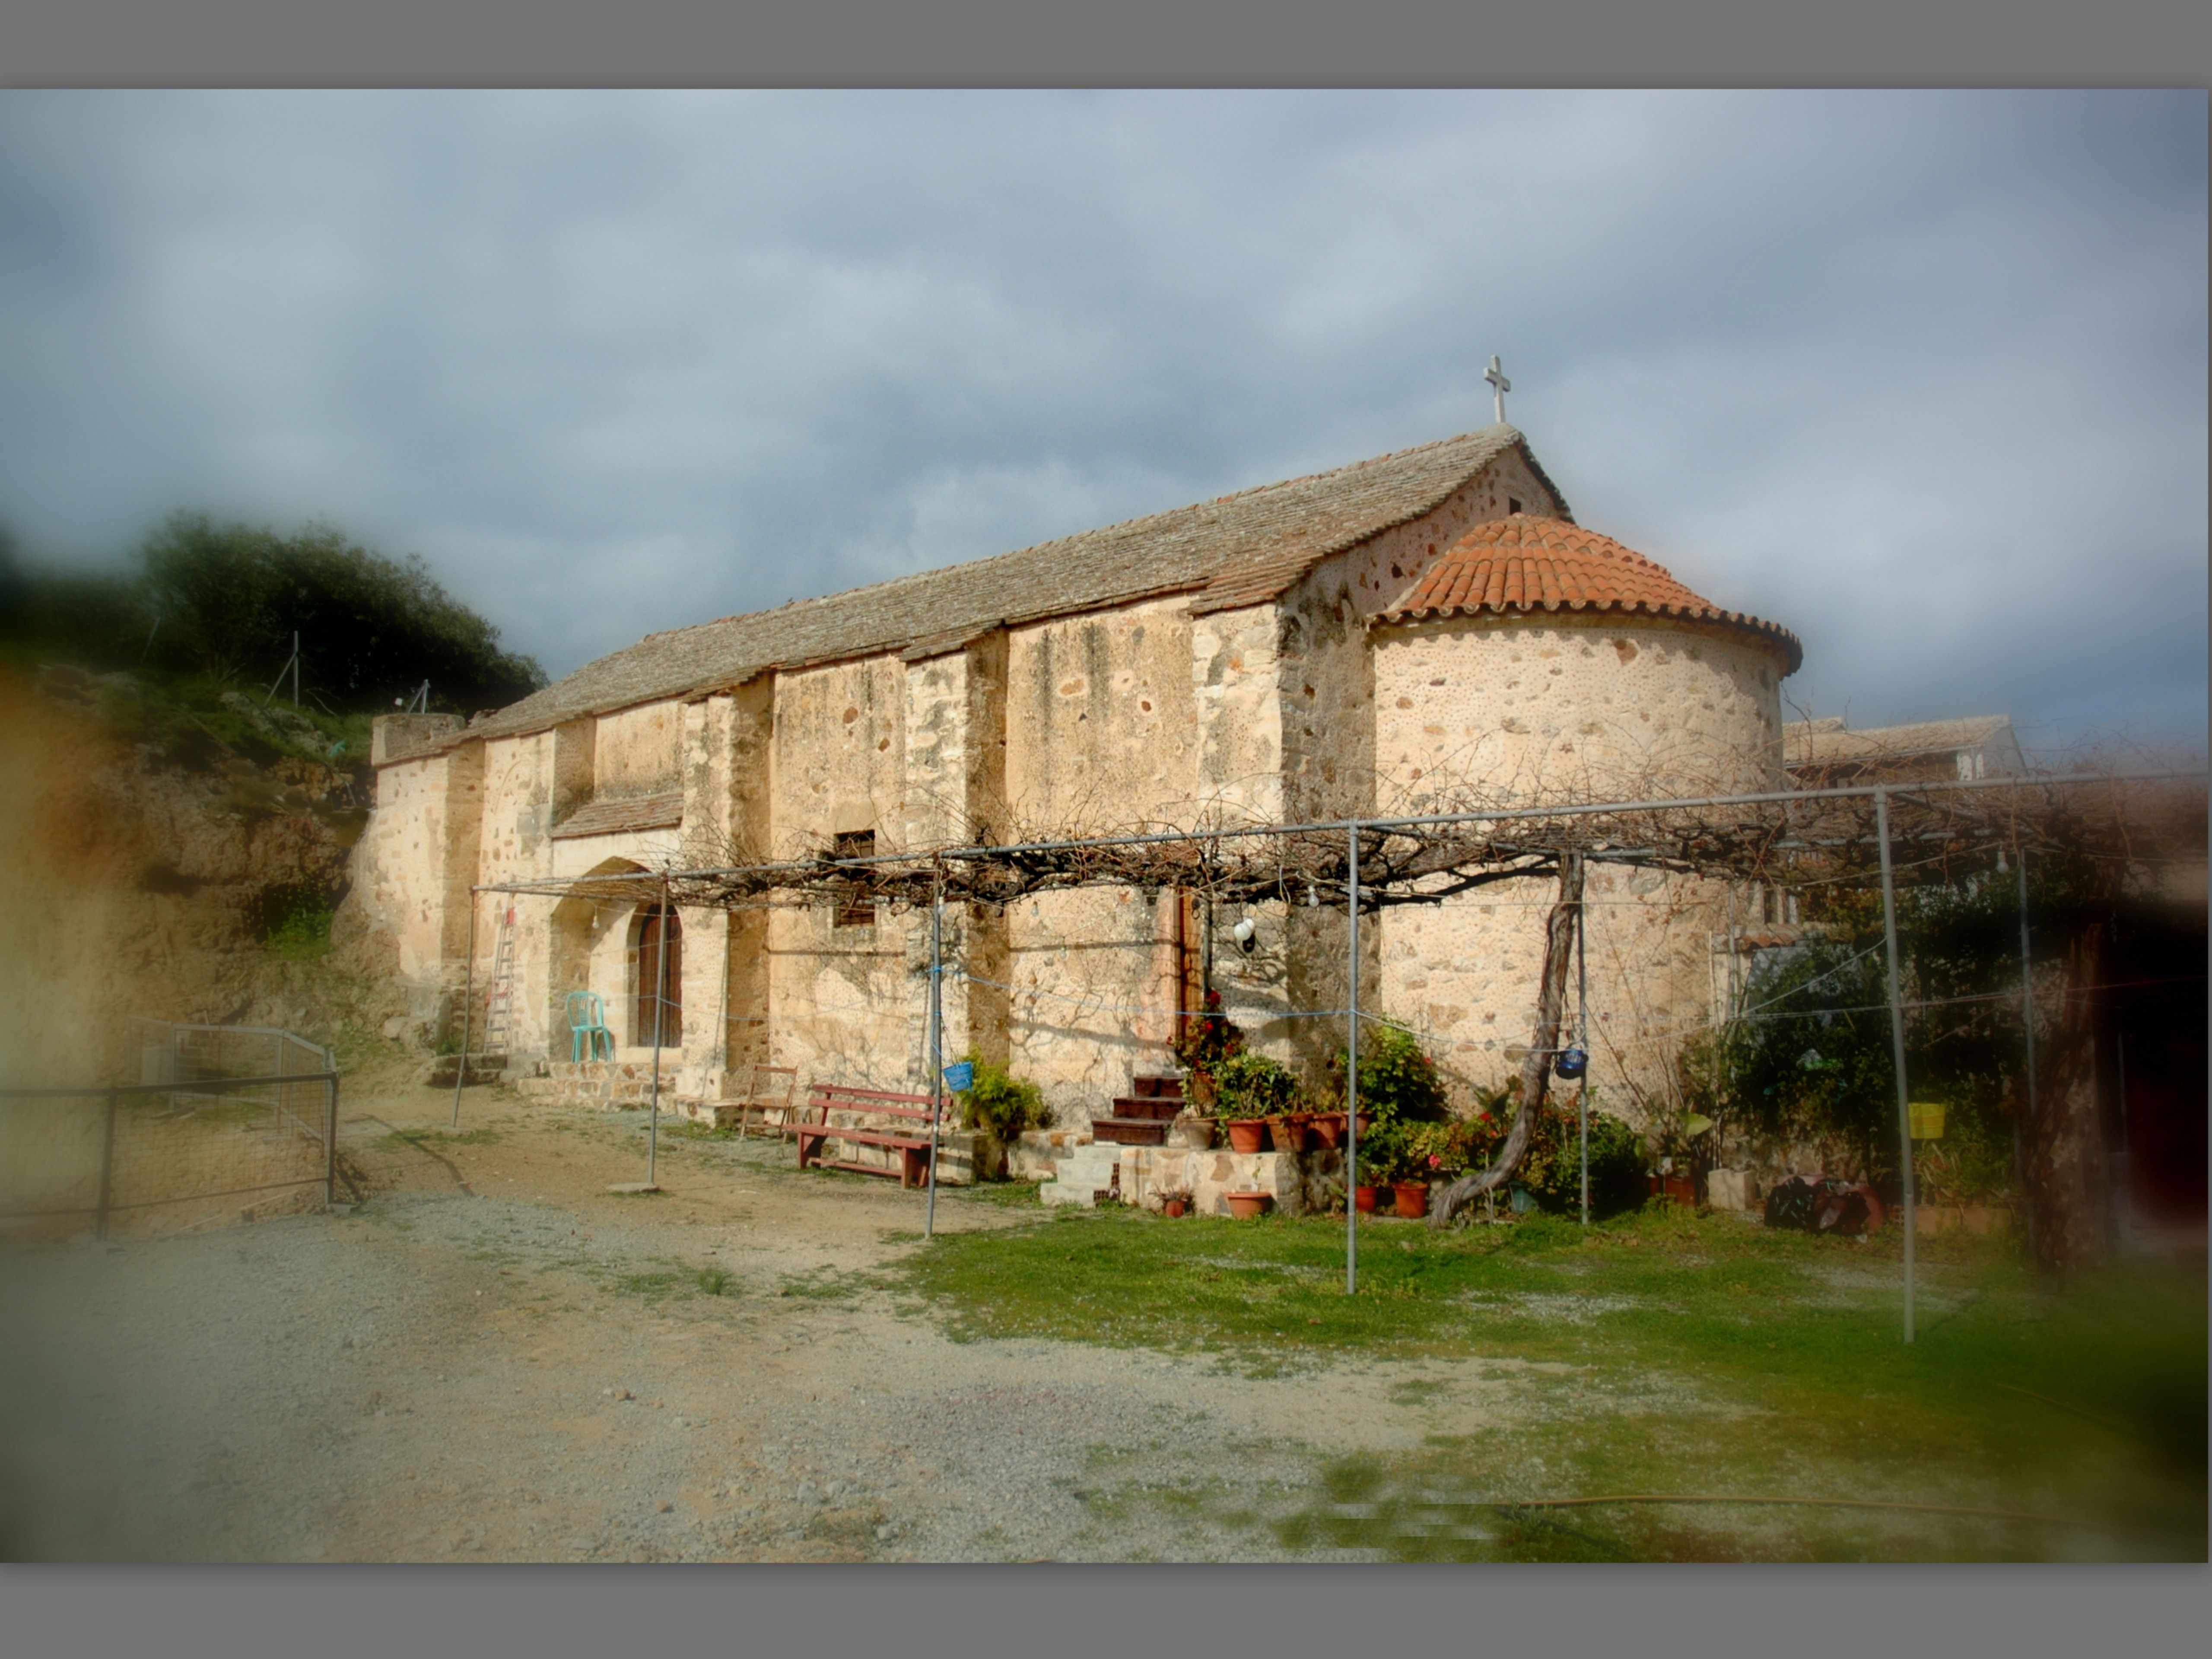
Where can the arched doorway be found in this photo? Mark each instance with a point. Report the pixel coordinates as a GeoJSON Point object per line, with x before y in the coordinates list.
{"type": "Point", "coordinates": [658, 1004]}
{"type": "Point", "coordinates": [589, 947]}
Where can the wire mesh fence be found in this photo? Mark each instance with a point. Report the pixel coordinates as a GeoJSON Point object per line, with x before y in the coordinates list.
{"type": "Point", "coordinates": [226, 1123]}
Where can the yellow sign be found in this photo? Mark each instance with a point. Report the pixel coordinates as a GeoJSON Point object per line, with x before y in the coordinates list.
{"type": "Point", "coordinates": [1927, 1120]}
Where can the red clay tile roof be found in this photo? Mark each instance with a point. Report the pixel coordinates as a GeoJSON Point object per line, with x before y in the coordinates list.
{"type": "Point", "coordinates": [1525, 564]}
{"type": "Point", "coordinates": [616, 817]}
{"type": "Point", "coordinates": [1237, 549]}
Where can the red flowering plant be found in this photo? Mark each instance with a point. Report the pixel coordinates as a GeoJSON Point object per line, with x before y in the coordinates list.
{"type": "Point", "coordinates": [1203, 1042]}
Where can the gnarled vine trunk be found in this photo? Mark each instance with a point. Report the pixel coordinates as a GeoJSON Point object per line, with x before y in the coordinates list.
{"type": "Point", "coordinates": [2068, 1180]}
{"type": "Point", "coordinates": [1543, 1046]}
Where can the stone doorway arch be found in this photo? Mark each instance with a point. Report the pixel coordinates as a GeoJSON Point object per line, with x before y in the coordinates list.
{"type": "Point", "coordinates": [588, 948]}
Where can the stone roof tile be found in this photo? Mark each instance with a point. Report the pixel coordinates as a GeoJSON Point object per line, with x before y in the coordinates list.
{"type": "Point", "coordinates": [1241, 549]}
{"type": "Point", "coordinates": [624, 816]}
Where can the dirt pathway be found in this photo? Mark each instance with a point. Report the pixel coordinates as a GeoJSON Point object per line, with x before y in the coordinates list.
{"type": "Point", "coordinates": [493, 1358]}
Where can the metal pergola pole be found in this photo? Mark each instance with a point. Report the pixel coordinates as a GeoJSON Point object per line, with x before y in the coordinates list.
{"type": "Point", "coordinates": [1352, 1074]}
{"type": "Point", "coordinates": [659, 1022]}
{"type": "Point", "coordinates": [1896, 1039]}
{"type": "Point", "coordinates": [2027, 1035]}
{"type": "Point", "coordinates": [468, 990]}
{"type": "Point", "coordinates": [936, 1047]}
{"type": "Point", "coordinates": [1581, 1033]}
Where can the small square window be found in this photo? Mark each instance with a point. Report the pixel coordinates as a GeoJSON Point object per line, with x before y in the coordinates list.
{"type": "Point", "coordinates": [855, 910]}
{"type": "Point", "coordinates": [1512, 504]}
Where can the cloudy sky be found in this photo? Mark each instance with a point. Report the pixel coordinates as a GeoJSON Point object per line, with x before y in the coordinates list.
{"type": "Point", "coordinates": [1922, 375]}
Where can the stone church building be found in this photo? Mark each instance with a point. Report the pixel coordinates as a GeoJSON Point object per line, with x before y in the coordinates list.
{"type": "Point", "coordinates": [1430, 627]}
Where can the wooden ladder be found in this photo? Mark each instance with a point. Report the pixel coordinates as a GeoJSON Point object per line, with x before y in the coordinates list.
{"type": "Point", "coordinates": [499, 1002]}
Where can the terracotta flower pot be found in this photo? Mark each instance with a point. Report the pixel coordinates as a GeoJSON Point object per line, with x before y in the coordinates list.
{"type": "Point", "coordinates": [1411, 1197]}
{"type": "Point", "coordinates": [1248, 1206]}
{"type": "Point", "coordinates": [1197, 1132]}
{"type": "Point", "coordinates": [1285, 1134]}
{"type": "Point", "coordinates": [1328, 1130]}
{"type": "Point", "coordinates": [1248, 1135]}
{"type": "Point", "coordinates": [1174, 1208]}
{"type": "Point", "coordinates": [1363, 1199]}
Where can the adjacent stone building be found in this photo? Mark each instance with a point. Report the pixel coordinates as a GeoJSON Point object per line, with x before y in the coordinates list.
{"type": "Point", "coordinates": [1427, 628]}
{"type": "Point", "coordinates": [1828, 753]}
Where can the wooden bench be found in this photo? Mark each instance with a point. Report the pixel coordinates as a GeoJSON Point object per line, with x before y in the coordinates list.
{"type": "Point", "coordinates": [770, 1088]}
{"type": "Point", "coordinates": [814, 1131]}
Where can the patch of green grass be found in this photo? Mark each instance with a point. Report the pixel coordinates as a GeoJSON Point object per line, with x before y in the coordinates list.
{"type": "Point", "coordinates": [1684, 1353]}
{"type": "Point", "coordinates": [823, 1285]}
{"type": "Point", "coordinates": [1006, 1195]}
{"type": "Point", "coordinates": [424, 1139]}
{"type": "Point", "coordinates": [673, 1280]}
{"type": "Point", "coordinates": [693, 1131]}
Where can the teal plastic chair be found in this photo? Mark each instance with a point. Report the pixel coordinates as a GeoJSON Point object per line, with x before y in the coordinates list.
{"type": "Point", "coordinates": [587, 1027]}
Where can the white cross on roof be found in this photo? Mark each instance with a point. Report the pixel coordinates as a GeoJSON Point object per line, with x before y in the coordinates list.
{"type": "Point", "coordinates": [1500, 385]}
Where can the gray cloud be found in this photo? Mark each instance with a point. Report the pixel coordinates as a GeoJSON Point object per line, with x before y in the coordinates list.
{"type": "Point", "coordinates": [1922, 375]}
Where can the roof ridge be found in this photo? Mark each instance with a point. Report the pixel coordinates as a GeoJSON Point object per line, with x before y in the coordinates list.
{"type": "Point", "coordinates": [1505, 432]}
{"type": "Point", "coordinates": [1244, 548]}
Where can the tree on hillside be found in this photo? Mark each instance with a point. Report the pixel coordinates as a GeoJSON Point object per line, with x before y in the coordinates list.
{"type": "Point", "coordinates": [225, 599]}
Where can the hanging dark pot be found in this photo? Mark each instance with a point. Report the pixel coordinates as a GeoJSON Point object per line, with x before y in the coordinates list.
{"type": "Point", "coordinates": [1572, 1063]}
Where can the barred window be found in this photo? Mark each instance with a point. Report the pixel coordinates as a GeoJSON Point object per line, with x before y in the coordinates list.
{"type": "Point", "coordinates": [855, 910]}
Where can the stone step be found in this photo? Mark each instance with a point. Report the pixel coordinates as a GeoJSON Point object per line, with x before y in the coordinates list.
{"type": "Point", "coordinates": [1162, 1107]}
{"type": "Point", "coordinates": [1169, 1087]}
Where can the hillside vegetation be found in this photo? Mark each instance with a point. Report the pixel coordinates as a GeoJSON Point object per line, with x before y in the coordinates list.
{"type": "Point", "coordinates": [182, 835]}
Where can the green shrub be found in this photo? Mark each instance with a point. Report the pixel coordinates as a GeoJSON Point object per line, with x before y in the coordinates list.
{"type": "Point", "coordinates": [1971, 1165]}
{"type": "Point", "coordinates": [1000, 1103]}
{"type": "Point", "coordinates": [293, 920]}
{"type": "Point", "coordinates": [1251, 1086]}
{"type": "Point", "coordinates": [1397, 1080]}
{"type": "Point", "coordinates": [1384, 1155]}
{"type": "Point", "coordinates": [1552, 1168]}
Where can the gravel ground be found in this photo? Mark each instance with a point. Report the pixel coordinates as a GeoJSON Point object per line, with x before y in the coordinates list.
{"type": "Point", "coordinates": [491, 1358]}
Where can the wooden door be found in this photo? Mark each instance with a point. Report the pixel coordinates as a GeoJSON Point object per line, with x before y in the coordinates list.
{"type": "Point", "coordinates": [660, 989]}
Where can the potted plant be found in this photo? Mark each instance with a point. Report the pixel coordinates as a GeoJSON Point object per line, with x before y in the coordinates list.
{"type": "Point", "coordinates": [1204, 1040]}
{"type": "Point", "coordinates": [999, 1105]}
{"type": "Point", "coordinates": [1175, 1203]}
{"type": "Point", "coordinates": [1382, 1159]}
{"type": "Point", "coordinates": [1255, 1091]}
{"type": "Point", "coordinates": [1196, 1130]}
{"type": "Point", "coordinates": [1245, 1135]}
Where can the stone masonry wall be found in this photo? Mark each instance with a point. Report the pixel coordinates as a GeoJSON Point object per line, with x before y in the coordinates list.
{"type": "Point", "coordinates": [1583, 709]}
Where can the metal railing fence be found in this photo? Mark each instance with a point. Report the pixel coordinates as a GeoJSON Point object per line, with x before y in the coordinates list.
{"type": "Point", "coordinates": [221, 1114]}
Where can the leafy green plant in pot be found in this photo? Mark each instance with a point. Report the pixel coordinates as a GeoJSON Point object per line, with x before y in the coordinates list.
{"type": "Point", "coordinates": [1382, 1160]}
{"type": "Point", "coordinates": [1250, 1088]}
{"type": "Point", "coordinates": [1000, 1104]}
{"type": "Point", "coordinates": [1398, 1082]}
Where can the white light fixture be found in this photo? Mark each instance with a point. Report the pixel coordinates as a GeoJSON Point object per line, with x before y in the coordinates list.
{"type": "Point", "coordinates": [1242, 932]}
